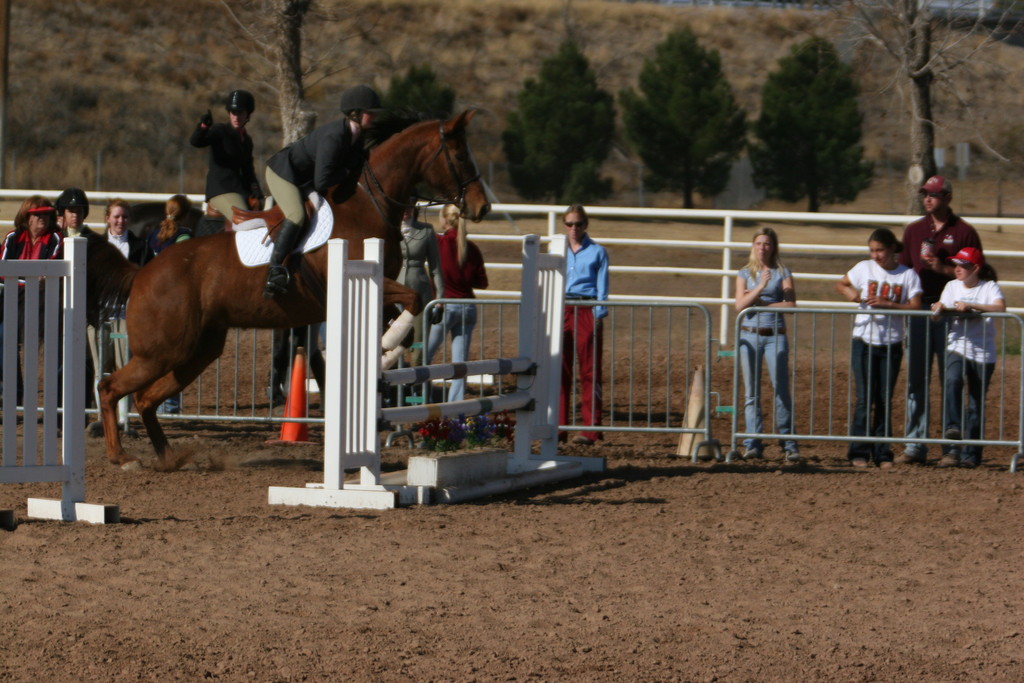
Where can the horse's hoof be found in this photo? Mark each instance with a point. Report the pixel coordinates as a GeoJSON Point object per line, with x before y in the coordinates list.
{"type": "Point", "coordinates": [132, 466]}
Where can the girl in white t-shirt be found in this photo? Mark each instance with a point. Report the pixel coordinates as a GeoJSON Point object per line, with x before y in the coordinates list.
{"type": "Point", "coordinates": [879, 283]}
{"type": "Point", "coordinates": [970, 351]}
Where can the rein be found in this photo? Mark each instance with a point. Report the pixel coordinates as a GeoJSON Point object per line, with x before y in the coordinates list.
{"type": "Point", "coordinates": [373, 182]}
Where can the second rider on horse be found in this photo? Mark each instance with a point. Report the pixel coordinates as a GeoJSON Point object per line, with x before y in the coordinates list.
{"type": "Point", "coordinates": [331, 155]}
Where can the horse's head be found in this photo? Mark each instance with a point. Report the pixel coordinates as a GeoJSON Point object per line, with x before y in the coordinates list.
{"type": "Point", "coordinates": [452, 170]}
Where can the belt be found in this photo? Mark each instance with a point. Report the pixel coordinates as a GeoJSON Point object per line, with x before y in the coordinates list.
{"type": "Point", "coordinates": [414, 263]}
{"type": "Point", "coordinates": [573, 297]}
{"type": "Point", "coordinates": [765, 331]}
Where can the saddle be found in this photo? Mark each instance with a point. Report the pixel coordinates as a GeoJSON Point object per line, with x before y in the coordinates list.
{"type": "Point", "coordinates": [271, 218]}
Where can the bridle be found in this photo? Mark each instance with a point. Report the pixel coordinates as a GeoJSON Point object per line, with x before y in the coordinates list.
{"type": "Point", "coordinates": [459, 199]}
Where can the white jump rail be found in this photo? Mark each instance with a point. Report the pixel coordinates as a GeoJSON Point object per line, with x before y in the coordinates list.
{"type": "Point", "coordinates": [353, 405]}
{"type": "Point", "coordinates": [62, 457]}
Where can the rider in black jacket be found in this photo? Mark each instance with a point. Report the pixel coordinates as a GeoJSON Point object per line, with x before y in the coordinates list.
{"type": "Point", "coordinates": [231, 180]}
{"type": "Point", "coordinates": [331, 155]}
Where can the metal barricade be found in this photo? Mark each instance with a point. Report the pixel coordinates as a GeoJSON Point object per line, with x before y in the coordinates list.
{"type": "Point", "coordinates": [819, 360]}
{"type": "Point", "coordinates": [653, 354]}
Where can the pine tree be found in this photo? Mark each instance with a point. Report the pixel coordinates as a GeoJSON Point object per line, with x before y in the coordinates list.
{"type": "Point", "coordinates": [809, 131]}
{"type": "Point", "coordinates": [561, 133]}
{"type": "Point", "coordinates": [685, 122]}
{"type": "Point", "coordinates": [419, 91]}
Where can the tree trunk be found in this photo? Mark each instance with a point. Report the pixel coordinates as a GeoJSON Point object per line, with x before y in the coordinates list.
{"type": "Point", "coordinates": [297, 117]}
{"type": "Point", "coordinates": [922, 126]}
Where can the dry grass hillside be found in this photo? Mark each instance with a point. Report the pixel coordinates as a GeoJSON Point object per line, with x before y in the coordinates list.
{"type": "Point", "coordinates": [122, 82]}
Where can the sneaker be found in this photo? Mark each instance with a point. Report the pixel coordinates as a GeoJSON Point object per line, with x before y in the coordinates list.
{"type": "Point", "coordinates": [911, 458]}
{"type": "Point", "coordinates": [793, 455]}
{"type": "Point", "coordinates": [581, 440]}
{"type": "Point", "coordinates": [753, 454]}
{"type": "Point", "coordinates": [885, 465]}
{"type": "Point", "coordinates": [949, 460]}
{"type": "Point", "coordinates": [859, 462]}
{"type": "Point", "coordinates": [953, 434]}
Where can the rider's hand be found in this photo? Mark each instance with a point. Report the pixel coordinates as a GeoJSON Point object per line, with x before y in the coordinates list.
{"type": "Point", "coordinates": [206, 120]}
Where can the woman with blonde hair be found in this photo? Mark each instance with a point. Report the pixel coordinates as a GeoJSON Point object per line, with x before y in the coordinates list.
{"type": "Point", "coordinates": [462, 269]}
{"type": "Point", "coordinates": [765, 282]}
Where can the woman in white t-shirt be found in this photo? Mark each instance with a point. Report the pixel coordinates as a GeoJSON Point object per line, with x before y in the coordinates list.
{"type": "Point", "coordinates": [879, 283]}
{"type": "Point", "coordinates": [970, 351]}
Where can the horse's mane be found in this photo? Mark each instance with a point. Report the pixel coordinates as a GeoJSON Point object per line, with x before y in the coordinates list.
{"type": "Point", "coordinates": [109, 277]}
{"type": "Point", "coordinates": [390, 123]}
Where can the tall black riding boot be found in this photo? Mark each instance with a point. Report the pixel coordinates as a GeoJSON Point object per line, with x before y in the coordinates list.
{"type": "Point", "coordinates": [278, 277]}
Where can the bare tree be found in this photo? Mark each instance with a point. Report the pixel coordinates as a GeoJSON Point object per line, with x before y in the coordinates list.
{"type": "Point", "coordinates": [274, 31]}
{"type": "Point", "coordinates": [929, 40]}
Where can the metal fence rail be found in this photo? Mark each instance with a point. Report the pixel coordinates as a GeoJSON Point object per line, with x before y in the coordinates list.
{"type": "Point", "coordinates": [820, 377]}
{"type": "Point", "coordinates": [653, 352]}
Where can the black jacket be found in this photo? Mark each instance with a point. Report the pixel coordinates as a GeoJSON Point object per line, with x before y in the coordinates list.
{"type": "Point", "coordinates": [231, 167]}
{"type": "Point", "coordinates": [324, 158]}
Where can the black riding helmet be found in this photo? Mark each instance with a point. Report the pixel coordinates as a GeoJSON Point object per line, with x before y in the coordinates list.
{"type": "Point", "coordinates": [359, 98]}
{"type": "Point", "coordinates": [241, 100]}
{"type": "Point", "coordinates": [72, 198]}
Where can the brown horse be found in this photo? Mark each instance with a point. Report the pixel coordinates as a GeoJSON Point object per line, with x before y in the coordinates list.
{"type": "Point", "coordinates": [182, 304]}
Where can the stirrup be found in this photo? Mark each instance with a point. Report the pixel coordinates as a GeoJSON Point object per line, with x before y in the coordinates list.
{"type": "Point", "coordinates": [277, 282]}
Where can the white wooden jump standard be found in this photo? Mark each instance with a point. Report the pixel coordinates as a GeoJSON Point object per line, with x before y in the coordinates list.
{"type": "Point", "coordinates": [353, 408]}
{"type": "Point", "coordinates": [63, 463]}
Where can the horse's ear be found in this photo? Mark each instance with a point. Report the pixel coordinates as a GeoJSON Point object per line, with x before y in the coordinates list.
{"type": "Point", "coordinates": [461, 121]}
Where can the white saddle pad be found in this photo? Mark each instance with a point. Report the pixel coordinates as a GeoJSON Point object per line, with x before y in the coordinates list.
{"type": "Point", "coordinates": [251, 236]}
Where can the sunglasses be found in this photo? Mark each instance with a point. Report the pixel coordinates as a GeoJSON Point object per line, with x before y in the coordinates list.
{"type": "Point", "coordinates": [934, 195]}
{"type": "Point", "coordinates": [574, 224]}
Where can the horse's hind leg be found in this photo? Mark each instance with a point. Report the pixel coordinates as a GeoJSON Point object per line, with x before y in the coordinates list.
{"type": "Point", "coordinates": [135, 374]}
{"type": "Point", "coordinates": [209, 349]}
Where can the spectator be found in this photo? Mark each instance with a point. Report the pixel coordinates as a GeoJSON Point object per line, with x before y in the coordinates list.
{"type": "Point", "coordinates": [970, 351]}
{"type": "Point", "coordinates": [586, 279]}
{"type": "Point", "coordinates": [230, 180]}
{"type": "Point", "coordinates": [462, 269]}
{"type": "Point", "coordinates": [880, 282]}
{"type": "Point", "coordinates": [35, 236]}
{"type": "Point", "coordinates": [171, 231]}
{"type": "Point", "coordinates": [72, 210]}
{"type": "Point", "coordinates": [332, 155]}
{"type": "Point", "coordinates": [928, 243]}
{"type": "Point", "coordinates": [117, 217]}
{"type": "Point", "coordinates": [764, 281]}
{"type": "Point", "coordinates": [419, 252]}
{"type": "Point", "coordinates": [134, 248]}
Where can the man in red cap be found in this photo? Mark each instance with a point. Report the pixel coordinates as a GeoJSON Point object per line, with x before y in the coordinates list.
{"type": "Point", "coordinates": [928, 245]}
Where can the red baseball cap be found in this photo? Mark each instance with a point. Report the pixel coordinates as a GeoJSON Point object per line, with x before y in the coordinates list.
{"type": "Point", "coordinates": [969, 256]}
{"type": "Point", "coordinates": [937, 184]}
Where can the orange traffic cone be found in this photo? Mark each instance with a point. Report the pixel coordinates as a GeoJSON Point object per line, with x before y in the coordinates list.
{"type": "Point", "coordinates": [296, 432]}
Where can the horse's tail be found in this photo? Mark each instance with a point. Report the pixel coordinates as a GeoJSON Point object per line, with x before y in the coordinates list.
{"type": "Point", "coordinates": [109, 277]}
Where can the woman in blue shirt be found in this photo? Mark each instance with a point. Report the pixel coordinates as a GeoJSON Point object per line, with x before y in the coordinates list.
{"type": "Point", "coordinates": [764, 281]}
{"type": "Point", "coordinates": [586, 279]}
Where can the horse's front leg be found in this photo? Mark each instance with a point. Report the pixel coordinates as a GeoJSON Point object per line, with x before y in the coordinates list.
{"type": "Point", "coordinates": [397, 337]}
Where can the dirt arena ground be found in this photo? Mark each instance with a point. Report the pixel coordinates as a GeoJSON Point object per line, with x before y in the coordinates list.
{"type": "Point", "coordinates": [656, 570]}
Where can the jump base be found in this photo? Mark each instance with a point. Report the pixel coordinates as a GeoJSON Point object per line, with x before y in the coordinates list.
{"type": "Point", "coordinates": [451, 478]}
{"type": "Point", "coordinates": [46, 508]}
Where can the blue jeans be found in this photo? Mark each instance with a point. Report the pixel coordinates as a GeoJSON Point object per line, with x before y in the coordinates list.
{"type": "Point", "coordinates": [977, 376]}
{"type": "Point", "coordinates": [875, 369]}
{"type": "Point", "coordinates": [755, 351]}
{"type": "Point", "coordinates": [459, 321]}
{"type": "Point", "coordinates": [925, 338]}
